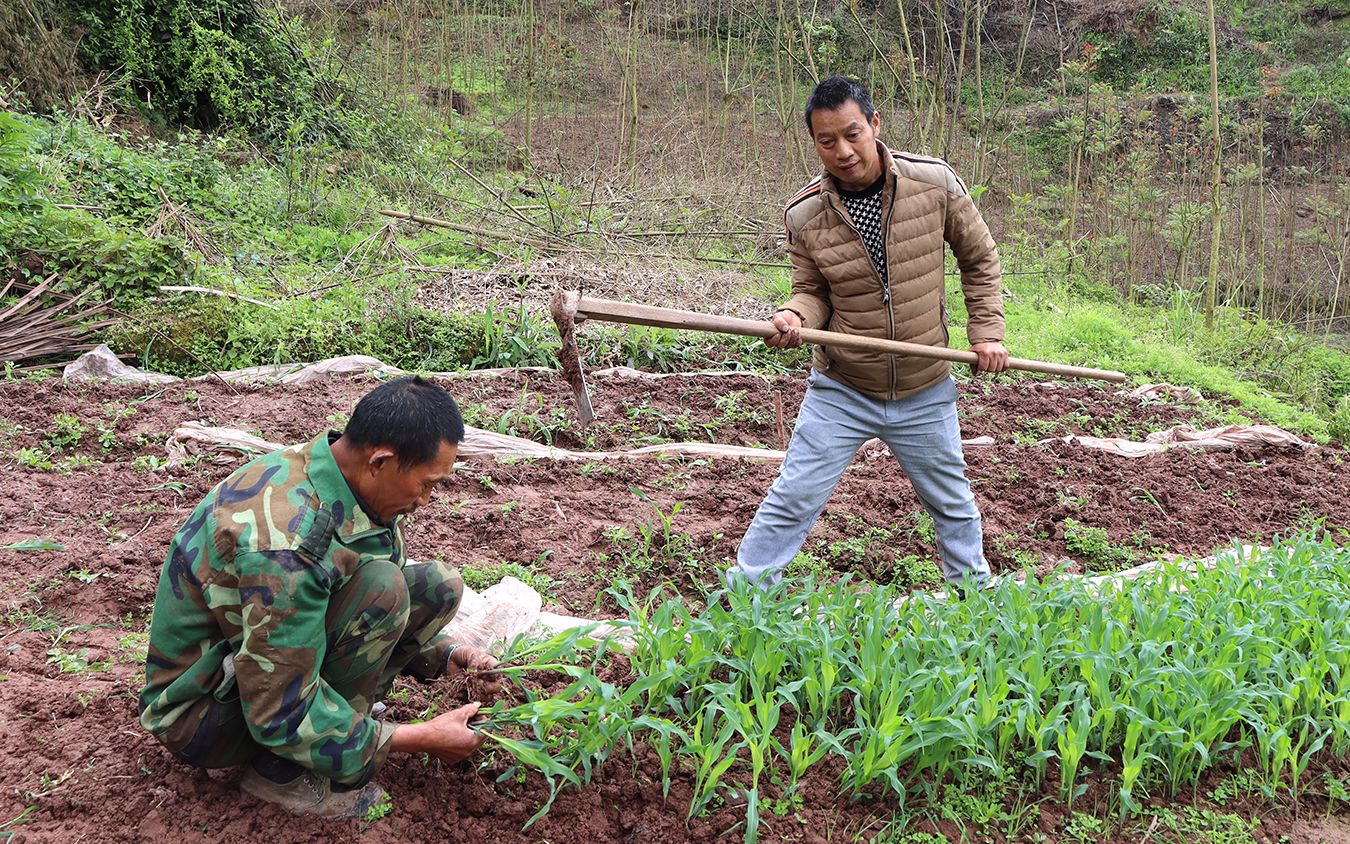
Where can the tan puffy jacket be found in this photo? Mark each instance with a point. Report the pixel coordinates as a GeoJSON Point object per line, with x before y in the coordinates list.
{"type": "Point", "coordinates": [835, 286]}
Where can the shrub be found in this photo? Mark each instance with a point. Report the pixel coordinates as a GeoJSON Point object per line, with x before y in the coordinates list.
{"type": "Point", "coordinates": [1338, 424]}
{"type": "Point", "coordinates": [220, 334]}
{"type": "Point", "coordinates": [126, 264]}
{"type": "Point", "coordinates": [209, 63]}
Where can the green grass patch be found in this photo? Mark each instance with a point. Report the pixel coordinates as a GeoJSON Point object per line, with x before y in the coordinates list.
{"type": "Point", "coordinates": [480, 576]}
{"type": "Point", "coordinates": [1269, 371]}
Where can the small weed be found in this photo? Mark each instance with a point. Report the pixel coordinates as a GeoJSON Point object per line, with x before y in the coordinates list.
{"type": "Point", "coordinates": [1207, 825]}
{"type": "Point", "coordinates": [1066, 497]}
{"type": "Point", "coordinates": [66, 432]}
{"type": "Point", "coordinates": [74, 663]}
{"type": "Point", "coordinates": [73, 463]}
{"type": "Point", "coordinates": [669, 428]}
{"type": "Point", "coordinates": [148, 463]}
{"type": "Point", "coordinates": [1085, 828]}
{"type": "Point", "coordinates": [1242, 783]}
{"type": "Point", "coordinates": [39, 620]}
{"type": "Point", "coordinates": [731, 406]}
{"type": "Point", "coordinates": [852, 551]}
{"type": "Point", "coordinates": [911, 570]}
{"type": "Point", "coordinates": [924, 527]}
{"type": "Point", "coordinates": [33, 544]}
{"type": "Point", "coordinates": [1144, 496]}
{"type": "Point", "coordinates": [1336, 790]}
{"type": "Point", "coordinates": [1025, 560]}
{"type": "Point", "coordinates": [37, 459]}
{"type": "Point", "coordinates": [134, 645]}
{"type": "Point", "coordinates": [107, 438]}
{"type": "Point", "coordinates": [806, 564]}
{"type": "Point", "coordinates": [8, 430]}
{"type": "Point", "coordinates": [1094, 546]}
{"type": "Point", "coordinates": [530, 417]}
{"type": "Point", "coordinates": [980, 802]}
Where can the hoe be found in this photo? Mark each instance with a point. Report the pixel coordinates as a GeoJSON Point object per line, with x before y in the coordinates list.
{"type": "Point", "coordinates": [568, 307]}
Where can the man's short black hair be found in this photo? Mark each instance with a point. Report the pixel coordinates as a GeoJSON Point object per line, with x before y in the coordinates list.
{"type": "Point", "coordinates": [834, 92]}
{"type": "Point", "coordinates": [410, 415]}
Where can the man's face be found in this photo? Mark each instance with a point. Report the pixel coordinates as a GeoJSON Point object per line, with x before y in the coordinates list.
{"type": "Point", "coordinates": [391, 490]}
{"type": "Point", "coordinates": [847, 144]}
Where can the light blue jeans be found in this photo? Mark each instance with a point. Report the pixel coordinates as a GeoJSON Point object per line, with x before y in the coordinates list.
{"type": "Point", "coordinates": [833, 423]}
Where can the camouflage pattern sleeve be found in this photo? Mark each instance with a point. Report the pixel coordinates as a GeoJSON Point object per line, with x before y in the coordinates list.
{"type": "Point", "coordinates": [290, 709]}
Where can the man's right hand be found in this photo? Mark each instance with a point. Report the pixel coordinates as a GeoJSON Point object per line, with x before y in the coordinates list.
{"type": "Point", "coordinates": [447, 736]}
{"type": "Point", "coordinates": [789, 331]}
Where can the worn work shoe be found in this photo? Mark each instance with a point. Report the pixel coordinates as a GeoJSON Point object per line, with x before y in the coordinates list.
{"type": "Point", "coordinates": [310, 793]}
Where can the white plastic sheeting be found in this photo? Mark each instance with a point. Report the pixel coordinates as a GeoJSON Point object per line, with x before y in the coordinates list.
{"type": "Point", "coordinates": [1227, 437]}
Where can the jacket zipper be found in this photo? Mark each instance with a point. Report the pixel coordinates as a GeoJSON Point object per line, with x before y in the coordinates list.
{"type": "Point", "coordinates": [885, 286]}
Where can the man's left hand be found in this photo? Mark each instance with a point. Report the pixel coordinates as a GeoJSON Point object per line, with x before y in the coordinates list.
{"type": "Point", "coordinates": [992, 357]}
{"type": "Point", "coordinates": [468, 659]}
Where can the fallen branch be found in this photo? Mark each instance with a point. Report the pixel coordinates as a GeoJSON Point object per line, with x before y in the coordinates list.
{"type": "Point", "coordinates": [208, 291]}
{"type": "Point", "coordinates": [554, 246]}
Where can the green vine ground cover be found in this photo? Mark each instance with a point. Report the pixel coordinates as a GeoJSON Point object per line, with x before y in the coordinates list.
{"type": "Point", "coordinates": [1146, 685]}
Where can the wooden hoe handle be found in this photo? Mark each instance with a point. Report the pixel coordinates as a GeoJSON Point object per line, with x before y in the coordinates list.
{"type": "Point", "coordinates": [608, 310]}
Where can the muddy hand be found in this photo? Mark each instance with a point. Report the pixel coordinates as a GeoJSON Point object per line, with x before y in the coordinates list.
{"type": "Point", "coordinates": [479, 662]}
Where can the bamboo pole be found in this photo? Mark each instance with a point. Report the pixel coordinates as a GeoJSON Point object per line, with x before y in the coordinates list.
{"type": "Point", "coordinates": [630, 313]}
{"type": "Point", "coordinates": [1215, 209]}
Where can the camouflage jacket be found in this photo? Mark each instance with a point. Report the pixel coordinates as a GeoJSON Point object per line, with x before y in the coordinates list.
{"type": "Point", "coordinates": [251, 574]}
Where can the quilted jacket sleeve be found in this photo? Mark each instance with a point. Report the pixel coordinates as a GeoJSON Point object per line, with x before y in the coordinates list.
{"type": "Point", "coordinates": [810, 291]}
{"type": "Point", "coordinates": [981, 276]}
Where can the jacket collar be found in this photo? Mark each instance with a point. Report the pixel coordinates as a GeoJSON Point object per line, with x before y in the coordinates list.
{"type": "Point", "coordinates": [351, 517]}
{"type": "Point", "coordinates": [829, 186]}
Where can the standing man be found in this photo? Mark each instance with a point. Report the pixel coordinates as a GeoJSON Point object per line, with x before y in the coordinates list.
{"type": "Point", "coordinates": [286, 607]}
{"type": "Point", "coordinates": [866, 240]}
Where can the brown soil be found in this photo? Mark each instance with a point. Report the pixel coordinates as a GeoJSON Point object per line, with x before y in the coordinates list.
{"type": "Point", "coordinates": [70, 746]}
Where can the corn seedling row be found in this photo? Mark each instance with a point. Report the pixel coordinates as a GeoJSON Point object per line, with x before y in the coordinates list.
{"type": "Point", "coordinates": [1164, 677]}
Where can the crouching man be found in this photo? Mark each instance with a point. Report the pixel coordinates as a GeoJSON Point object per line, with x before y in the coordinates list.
{"type": "Point", "coordinates": [287, 606]}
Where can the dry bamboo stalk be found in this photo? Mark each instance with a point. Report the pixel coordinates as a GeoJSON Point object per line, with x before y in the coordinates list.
{"type": "Point", "coordinates": [187, 288]}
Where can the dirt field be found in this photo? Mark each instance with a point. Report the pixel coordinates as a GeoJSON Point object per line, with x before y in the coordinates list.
{"type": "Point", "coordinates": [72, 622]}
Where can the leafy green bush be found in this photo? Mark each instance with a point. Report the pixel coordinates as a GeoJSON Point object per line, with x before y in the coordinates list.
{"type": "Point", "coordinates": [1326, 87]}
{"type": "Point", "coordinates": [1338, 425]}
{"type": "Point", "coordinates": [219, 334]}
{"type": "Point", "coordinates": [128, 181]}
{"type": "Point", "coordinates": [79, 246]}
{"type": "Point", "coordinates": [1167, 48]}
{"type": "Point", "coordinates": [213, 63]}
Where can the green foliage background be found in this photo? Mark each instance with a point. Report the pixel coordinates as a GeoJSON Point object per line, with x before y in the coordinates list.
{"type": "Point", "coordinates": [212, 64]}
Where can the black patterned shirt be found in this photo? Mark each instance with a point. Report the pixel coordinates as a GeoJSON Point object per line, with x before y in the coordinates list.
{"type": "Point", "coordinates": [864, 207]}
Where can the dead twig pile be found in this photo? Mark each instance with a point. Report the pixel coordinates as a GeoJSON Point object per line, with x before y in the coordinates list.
{"type": "Point", "coordinates": [42, 323]}
{"type": "Point", "coordinates": [175, 215]}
